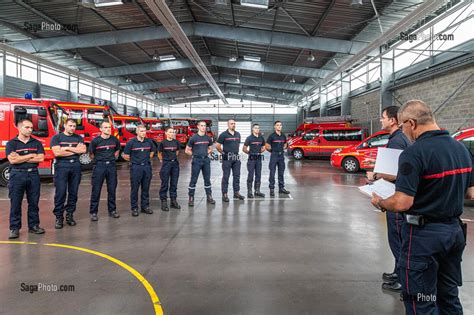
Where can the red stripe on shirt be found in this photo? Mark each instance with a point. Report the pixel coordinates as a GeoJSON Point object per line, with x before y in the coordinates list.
{"type": "Point", "coordinates": [106, 146]}
{"type": "Point", "coordinates": [28, 149]}
{"type": "Point", "coordinates": [226, 139]}
{"type": "Point", "coordinates": [448, 173]}
{"type": "Point", "coordinates": [143, 148]}
{"type": "Point", "coordinates": [202, 142]}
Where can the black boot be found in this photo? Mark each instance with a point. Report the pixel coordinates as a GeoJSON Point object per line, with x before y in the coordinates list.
{"type": "Point", "coordinates": [210, 200]}
{"type": "Point", "coordinates": [237, 195]}
{"type": "Point", "coordinates": [272, 192]}
{"type": "Point", "coordinates": [257, 191]}
{"type": "Point", "coordinates": [174, 204]}
{"type": "Point", "coordinates": [70, 219]}
{"type": "Point", "coordinates": [249, 193]}
{"type": "Point", "coordinates": [14, 234]}
{"type": "Point", "coordinates": [191, 201]}
{"type": "Point", "coordinates": [164, 205]}
{"type": "Point", "coordinates": [59, 223]}
{"type": "Point", "coordinates": [225, 198]}
{"type": "Point", "coordinates": [283, 191]}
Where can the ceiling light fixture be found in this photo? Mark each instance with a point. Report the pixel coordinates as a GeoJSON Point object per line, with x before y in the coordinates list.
{"type": "Point", "coordinates": [356, 3]}
{"type": "Point", "coordinates": [237, 80]}
{"type": "Point", "coordinates": [233, 58]}
{"type": "Point", "coordinates": [252, 58]}
{"type": "Point", "coordinates": [77, 56]}
{"type": "Point", "coordinates": [311, 57]}
{"type": "Point", "coordinates": [155, 57]}
{"type": "Point", "coordinates": [292, 80]}
{"type": "Point", "coordinates": [128, 80]}
{"type": "Point", "coordinates": [183, 80]}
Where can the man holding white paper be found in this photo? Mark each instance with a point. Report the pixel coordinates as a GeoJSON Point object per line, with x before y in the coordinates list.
{"type": "Point", "coordinates": [397, 141]}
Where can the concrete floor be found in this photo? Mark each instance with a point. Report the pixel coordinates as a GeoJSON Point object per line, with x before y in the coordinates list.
{"type": "Point", "coordinates": [320, 251]}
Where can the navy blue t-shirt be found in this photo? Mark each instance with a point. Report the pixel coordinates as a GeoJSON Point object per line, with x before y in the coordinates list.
{"type": "Point", "coordinates": [255, 144]}
{"type": "Point", "coordinates": [104, 149]}
{"type": "Point", "coordinates": [436, 170]}
{"type": "Point", "coordinates": [200, 144]}
{"type": "Point", "coordinates": [21, 148]}
{"type": "Point", "coordinates": [168, 149]}
{"type": "Point", "coordinates": [139, 151]}
{"type": "Point", "coordinates": [230, 142]}
{"type": "Point", "coordinates": [277, 142]}
{"type": "Point", "coordinates": [63, 140]}
{"type": "Point", "coordinates": [398, 140]}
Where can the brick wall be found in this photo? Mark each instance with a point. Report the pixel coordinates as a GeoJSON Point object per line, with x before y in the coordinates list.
{"type": "Point", "coordinates": [458, 112]}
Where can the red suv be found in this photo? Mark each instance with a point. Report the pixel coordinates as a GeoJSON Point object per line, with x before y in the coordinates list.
{"type": "Point", "coordinates": [466, 137]}
{"type": "Point", "coordinates": [360, 156]}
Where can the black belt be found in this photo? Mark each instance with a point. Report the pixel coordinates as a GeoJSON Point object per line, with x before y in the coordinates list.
{"type": "Point", "coordinates": [33, 169]}
{"type": "Point", "coordinates": [277, 152]}
{"type": "Point", "coordinates": [200, 157]}
{"type": "Point", "coordinates": [420, 220]}
{"type": "Point", "coordinates": [105, 162]}
{"type": "Point", "coordinates": [66, 161]}
{"type": "Point", "coordinates": [142, 164]}
{"type": "Point", "coordinates": [175, 160]}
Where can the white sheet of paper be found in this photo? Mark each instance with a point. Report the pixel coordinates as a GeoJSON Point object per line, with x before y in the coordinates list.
{"type": "Point", "coordinates": [387, 161]}
{"type": "Point", "coordinates": [381, 187]}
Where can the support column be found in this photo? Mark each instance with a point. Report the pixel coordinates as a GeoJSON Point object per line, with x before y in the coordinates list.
{"type": "Point", "coordinates": [346, 104]}
{"type": "Point", "coordinates": [3, 61]}
{"type": "Point", "coordinates": [323, 100]}
{"type": "Point", "coordinates": [73, 89]}
{"type": "Point", "coordinates": [386, 75]}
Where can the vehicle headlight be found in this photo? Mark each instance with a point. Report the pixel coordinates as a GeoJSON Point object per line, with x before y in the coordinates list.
{"type": "Point", "coordinates": [337, 150]}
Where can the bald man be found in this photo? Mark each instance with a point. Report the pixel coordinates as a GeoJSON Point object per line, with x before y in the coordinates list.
{"type": "Point", "coordinates": [434, 176]}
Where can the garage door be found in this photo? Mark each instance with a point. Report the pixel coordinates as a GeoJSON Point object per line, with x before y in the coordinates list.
{"type": "Point", "coordinates": [244, 127]}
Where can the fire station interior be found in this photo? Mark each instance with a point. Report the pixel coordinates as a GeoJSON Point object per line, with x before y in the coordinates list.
{"type": "Point", "coordinates": [325, 69]}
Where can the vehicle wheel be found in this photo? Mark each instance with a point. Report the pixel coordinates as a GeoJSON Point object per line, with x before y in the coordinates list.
{"type": "Point", "coordinates": [85, 160]}
{"type": "Point", "coordinates": [350, 165]}
{"type": "Point", "coordinates": [4, 173]}
{"type": "Point", "coordinates": [298, 154]}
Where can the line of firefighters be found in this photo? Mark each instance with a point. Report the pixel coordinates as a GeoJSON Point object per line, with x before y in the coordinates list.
{"type": "Point", "coordinates": [25, 153]}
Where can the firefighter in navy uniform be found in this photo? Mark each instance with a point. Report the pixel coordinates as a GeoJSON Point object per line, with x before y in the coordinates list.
{"type": "Point", "coordinates": [67, 147]}
{"type": "Point", "coordinates": [397, 140]}
{"type": "Point", "coordinates": [104, 149]}
{"type": "Point", "coordinates": [24, 154]}
{"type": "Point", "coordinates": [254, 146]}
{"type": "Point", "coordinates": [228, 145]}
{"type": "Point", "coordinates": [276, 144]}
{"type": "Point", "coordinates": [199, 147]}
{"type": "Point", "coordinates": [139, 152]}
{"type": "Point", "coordinates": [168, 151]}
{"type": "Point", "coordinates": [434, 177]}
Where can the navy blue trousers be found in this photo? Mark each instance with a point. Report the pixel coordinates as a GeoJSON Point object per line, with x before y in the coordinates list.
{"type": "Point", "coordinates": [104, 171]}
{"type": "Point", "coordinates": [169, 175]}
{"type": "Point", "coordinates": [277, 159]}
{"type": "Point", "coordinates": [67, 178]}
{"type": "Point", "coordinates": [227, 167]}
{"type": "Point", "coordinates": [198, 165]}
{"type": "Point", "coordinates": [254, 168]}
{"type": "Point", "coordinates": [140, 178]}
{"type": "Point", "coordinates": [394, 229]}
{"type": "Point", "coordinates": [430, 267]}
{"type": "Point", "coordinates": [21, 182]}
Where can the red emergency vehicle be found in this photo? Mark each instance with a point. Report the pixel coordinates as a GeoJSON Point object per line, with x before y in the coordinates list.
{"type": "Point", "coordinates": [466, 137]}
{"type": "Point", "coordinates": [314, 122]}
{"type": "Point", "coordinates": [361, 155]}
{"type": "Point", "coordinates": [126, 128]}
{"type": "Point", "coordinates": [193, 129]}
{"type": "Point", "coordinates": [155, 129]}
{"type": "Point", "coordinates": [322, 140]}
{"type": "Point", "coordinates": [181, 126]}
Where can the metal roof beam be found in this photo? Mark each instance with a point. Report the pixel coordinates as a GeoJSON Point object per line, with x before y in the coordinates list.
{"type": "Point", "coordinates": [232, 90]}
{"type": "Point", "coordinates": [235, 96]}
{"type": "Point", "coordinates": [213, 61]}
{"type": "Point", "coordinates": [245, 35]}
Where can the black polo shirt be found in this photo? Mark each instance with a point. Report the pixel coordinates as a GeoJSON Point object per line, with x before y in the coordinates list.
{"type": "Point", "coordinates": [436, 170]}
{"type": "Point", "coordinates": [230, 142]}
{"type": "Point", "coordinates": [168, 149]}
{"type": "Point", "coordinates": [63, 140]}
{"type": "Point", "coordinates": [255, 144]}
{"type": "Point", "coordinates": [139, 151]}
{"type": "Point", "coordinates": [104, 149]}
{"type": "Point", "coordinates": [200, 144]}
{"type": "Point", "coordinates": [398, 140]}
{"type": "Point", "coordinates": [277, 142]}
{"type": "Point", "coordinates": [21, 148]}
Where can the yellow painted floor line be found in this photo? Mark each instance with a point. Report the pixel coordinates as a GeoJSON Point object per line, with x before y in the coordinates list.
{"type": "Point", "coordinates": [151, 292]}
